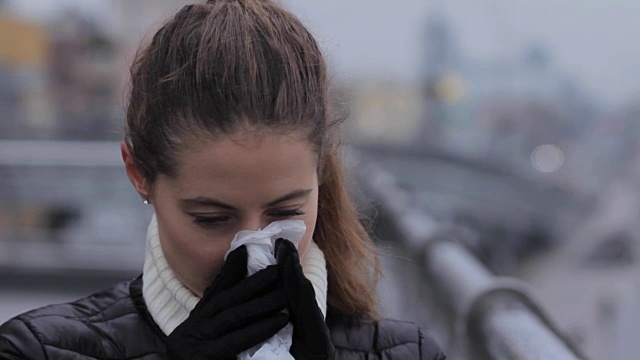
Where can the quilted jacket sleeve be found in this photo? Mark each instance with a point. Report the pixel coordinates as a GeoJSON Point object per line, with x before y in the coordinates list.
{"type": "Point", "coordinates": [17, 341]}
{"type": "Point", "coordinates": [429, 349]}
{"type": "Point", "coordinates": [384, 339]}
{"type": "Point", "coordinates": [396, 339]}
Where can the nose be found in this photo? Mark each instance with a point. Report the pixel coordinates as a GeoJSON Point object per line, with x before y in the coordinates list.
{"type": "Point", "coordinates": [254, 222]}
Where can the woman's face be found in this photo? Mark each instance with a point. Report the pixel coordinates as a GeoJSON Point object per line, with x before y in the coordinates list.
{"type": "Point", "coordinates": [241, 182]}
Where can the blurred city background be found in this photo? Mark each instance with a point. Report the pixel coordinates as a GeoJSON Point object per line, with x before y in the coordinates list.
{"type": "Point", "coordinates": [511, 126]}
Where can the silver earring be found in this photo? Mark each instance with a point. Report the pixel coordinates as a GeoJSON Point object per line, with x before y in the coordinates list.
{"type": "Point", "coordinates": [145, 201]}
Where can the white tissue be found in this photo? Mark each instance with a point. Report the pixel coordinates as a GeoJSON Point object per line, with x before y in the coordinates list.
{"type": "Point", "coordinates": [260, 247]}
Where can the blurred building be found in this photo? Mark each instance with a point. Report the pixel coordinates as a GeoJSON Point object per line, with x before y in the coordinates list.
{"type": "Point", "coordinates": [500, 110]}
{"type": "Point", "coordinates": [441, 84]}
{"type": "Point", "coordinates": [24, 102]}
{"type": "Point", "coordinates": [57, 78]}
{"type": "Point", "coordinates": [382, 112]}
{"type": "Point", "coordinates": [82, 65]}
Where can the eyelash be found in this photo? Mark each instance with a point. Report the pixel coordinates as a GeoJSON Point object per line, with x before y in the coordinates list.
{"type": "Point", "coordinates": [287, 213]}
{"type": "Point", "coordinates": [212, 221]}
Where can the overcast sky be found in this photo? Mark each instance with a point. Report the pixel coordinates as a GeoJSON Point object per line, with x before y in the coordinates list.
{"type": "Point", "coordinates": [593, 40]}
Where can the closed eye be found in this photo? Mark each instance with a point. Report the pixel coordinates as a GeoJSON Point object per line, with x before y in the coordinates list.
{"type": "Point", "coordinates": [286, 213]}
{"type": "Point", "coordinates": [211, 220]}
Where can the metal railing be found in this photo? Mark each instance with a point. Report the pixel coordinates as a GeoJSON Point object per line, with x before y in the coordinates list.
{"type": "Point", "coordinates": [493, 317]}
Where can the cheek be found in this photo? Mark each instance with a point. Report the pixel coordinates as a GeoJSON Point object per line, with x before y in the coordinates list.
{"type": "Point", "coordinates": [194, 256]}
{"type": "Point", "coordinates": [310, 222]}
{"type": "Point", "coordinates": [304, 245]}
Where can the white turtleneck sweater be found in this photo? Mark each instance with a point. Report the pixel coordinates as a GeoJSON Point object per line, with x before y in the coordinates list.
{"type": "Point", "coordinates": [169, 302]}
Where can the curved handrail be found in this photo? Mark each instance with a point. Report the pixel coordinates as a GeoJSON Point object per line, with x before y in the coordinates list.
{"type": "Point", "coordinates": [499, 316]}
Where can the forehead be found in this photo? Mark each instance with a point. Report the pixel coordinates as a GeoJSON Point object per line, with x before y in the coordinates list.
{"type": "Point", "coordinates": [244, 160]}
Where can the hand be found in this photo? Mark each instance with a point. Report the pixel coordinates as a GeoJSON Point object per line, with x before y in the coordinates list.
{"type": "Point", "coordinates": [234, 314]}
{"type": "Point", "coordinates": [311, 338]}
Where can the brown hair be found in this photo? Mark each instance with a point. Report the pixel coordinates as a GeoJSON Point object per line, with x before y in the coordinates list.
{"type": "Point", "coordinates": [215, 68]}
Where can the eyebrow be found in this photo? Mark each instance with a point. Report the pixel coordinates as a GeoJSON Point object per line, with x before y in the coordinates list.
{"type": "Point", "coordinates": [207, 201]}
{"type": "Point", "coordinates": [290, 196]}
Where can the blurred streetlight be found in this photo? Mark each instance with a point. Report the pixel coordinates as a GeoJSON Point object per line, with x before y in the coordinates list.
{"type": "Point", "coordinates": [547, 158]}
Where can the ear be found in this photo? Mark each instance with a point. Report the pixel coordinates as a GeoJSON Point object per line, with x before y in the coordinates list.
{"type": "Point", "coordinates": [134, 174]}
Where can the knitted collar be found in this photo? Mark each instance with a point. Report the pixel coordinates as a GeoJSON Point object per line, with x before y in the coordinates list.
{"type": "Point", "coordinates": [169, 302]}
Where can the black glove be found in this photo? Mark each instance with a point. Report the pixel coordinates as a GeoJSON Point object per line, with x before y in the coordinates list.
{"type": "Point", "coordinates": [234, 314]}
{"type": "Point", "coordinates": [311, 340]}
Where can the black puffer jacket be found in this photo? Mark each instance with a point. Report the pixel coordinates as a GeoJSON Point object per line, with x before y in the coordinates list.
{"type": "Point", "coordinates": [115, 324]}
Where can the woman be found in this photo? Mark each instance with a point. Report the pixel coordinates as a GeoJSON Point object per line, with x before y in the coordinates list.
{"type": "Point", "coordinates": [229, 129]}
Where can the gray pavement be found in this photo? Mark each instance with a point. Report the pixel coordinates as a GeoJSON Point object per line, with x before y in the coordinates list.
{"type": "Point", "coordinates": [591, 284]}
